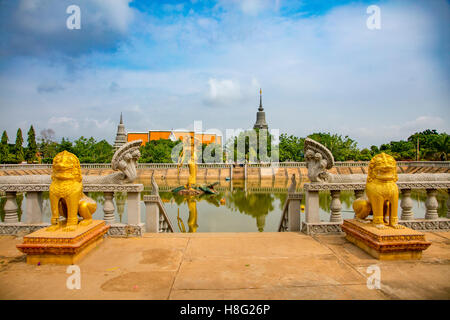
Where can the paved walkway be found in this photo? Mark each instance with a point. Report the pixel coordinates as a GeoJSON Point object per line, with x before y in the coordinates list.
{"type": "Point", "coordinates": [229, 266]}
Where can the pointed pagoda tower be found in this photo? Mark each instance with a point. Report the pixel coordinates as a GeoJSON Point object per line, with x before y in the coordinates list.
{"type": "Point", "coordinates": [121, 137]}
{"type": "Point", "coordinates": [260, 115]}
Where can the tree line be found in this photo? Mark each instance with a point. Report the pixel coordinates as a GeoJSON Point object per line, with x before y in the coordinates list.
{"type": "Point", "coordinates": [426, 145]}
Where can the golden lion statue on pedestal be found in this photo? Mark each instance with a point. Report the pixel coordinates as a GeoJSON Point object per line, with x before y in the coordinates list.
{"type": "Point", "coordinates": [382, 193]}
{"type": "Point", "coordinates": [66, 193]}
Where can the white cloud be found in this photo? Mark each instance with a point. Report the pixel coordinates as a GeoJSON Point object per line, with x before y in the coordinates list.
{"type": "Point", "coordinates": [251, 7]}
{"type": "Point", "coordinates": [107, 123]}
{"type": "Point", "coordinates": [173, 7]}
{"type": "Point", "coordinates": [224, 90]}
{"type": "Point", "coordinates": [63, 122]}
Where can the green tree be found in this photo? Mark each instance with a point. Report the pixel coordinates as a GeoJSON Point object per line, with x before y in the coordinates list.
{"type": "Point", "coordinates": [291, 148]}
{"type": "Point", "coordinates": [158, 151]}
{"type": "Point", "coordinates": [32, 146]}
{"type": "Point", "coordinates": [18, 149]}
{"type": "Point", "coordinates": [343, 149]}
{"type": "Point", "coordinates": [365, 155]}
{"type": "Point", "coordinates": [4, 149]}
{"type": "Point", "coordinates": [103, 152]}
{"type": "Point", "coordinates": [47, 147]}
{"type": "Point", "coordinates": [442, 146]}
{"type": "Point", "coordinates": [426, 141]}
{"type": "Point", "coordinates": [64, 145]}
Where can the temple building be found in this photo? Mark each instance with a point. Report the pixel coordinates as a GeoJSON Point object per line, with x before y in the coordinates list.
{"type": "Point", "coordinates": [121, 136]}
{"type": "Point", "coordinates": [173, 135]}
{"type": "Point", "coordinates": [260, 115]}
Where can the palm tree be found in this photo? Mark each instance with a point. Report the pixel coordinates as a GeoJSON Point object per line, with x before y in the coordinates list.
{"type": "Point", "coordinates": [442, 145]}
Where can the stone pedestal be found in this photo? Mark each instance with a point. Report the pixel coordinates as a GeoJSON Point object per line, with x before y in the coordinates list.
{"type": "Point", "coordinates": [312, 206]}
{"type": "Point", "coordinates": [386, 244]}
{"type": "Point", "coordinates": [152, 217]}
{"type": "Point", "coordinates": [34, 207]}
{"type": "Point", "coordinates": [60, 247]}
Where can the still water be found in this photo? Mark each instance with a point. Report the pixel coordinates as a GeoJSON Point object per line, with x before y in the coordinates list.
{"type": "Point", "coordinates": [234, 210]}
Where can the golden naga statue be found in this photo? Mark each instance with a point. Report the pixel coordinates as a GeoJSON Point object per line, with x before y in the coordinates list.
{"type": "Point", "coordinates": [66, 193]}
{"type": "Point", "coordinates": [192, 164]}
{"type": "Point", "coordinates": [192, 220]}
{"type": "Point", "coordinates": [382, 193]}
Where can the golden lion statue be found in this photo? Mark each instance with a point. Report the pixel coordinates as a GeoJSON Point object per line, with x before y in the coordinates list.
{"type": "Point", "coordinates": [66, 193]}
{"type": "Point", "coordinates": [382, 193]}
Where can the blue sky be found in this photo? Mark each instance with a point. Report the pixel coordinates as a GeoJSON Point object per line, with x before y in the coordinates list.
{"type": "Point", "coordinates": [165, 64]}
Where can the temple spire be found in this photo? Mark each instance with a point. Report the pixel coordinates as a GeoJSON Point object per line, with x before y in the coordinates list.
{"type": "Point", "coordinates": [260, 100]}
{"type": "Point", "coordinates": [260, 115]}
{"type": "Point", "coordinates": [121, 136]}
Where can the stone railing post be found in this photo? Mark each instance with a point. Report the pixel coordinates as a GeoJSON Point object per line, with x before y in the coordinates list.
{"type": "Point", "coordinates": [134, 208]}
{"type": "Point", "coordinates": [431, 204]}
{"type": "Point", "coordinates": [151, 214]}
{"type": "Point", "coordinates": [312, 206]}
{"type": "Point", "coordinates": [294, 212]}
{"type": "Point", "coordinates": [11, 208]}
{"type": "Point", "coordinates": [336, 206]}
{"type": "Point", "coordinates": [406, 204]}
{"type": "Point", "coordinates": [108, 208]}
{"type": "Point", "coordinates": [33, 209]}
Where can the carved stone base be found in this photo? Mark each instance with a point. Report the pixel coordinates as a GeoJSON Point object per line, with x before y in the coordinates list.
{"type": "Point", "coordinates": [441, 224]}
{"type": "Point", "coordinates": [20, 229]}
{"type": "Point", "coordinates": [115, 230]}
{"type": "Point", "coordinates": [321, 227]}
{"type": "Point", "coordinates": [386, 244]}
{"type": "Point", "coordinates": [60, 247]}
{"type": "Point", "coordinates": [126, 230]}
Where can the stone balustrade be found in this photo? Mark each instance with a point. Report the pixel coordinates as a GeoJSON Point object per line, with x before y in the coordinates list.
{"type": "Point", "coordinates": [313, 224]}
{"type": "Point", "coordinates": [435, 164]}
{"type": "Point", "coordinates": [34, 213]}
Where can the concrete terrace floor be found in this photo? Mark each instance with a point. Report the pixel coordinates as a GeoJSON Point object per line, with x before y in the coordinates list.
{"type": "Point", "coordinates": [229, 266]}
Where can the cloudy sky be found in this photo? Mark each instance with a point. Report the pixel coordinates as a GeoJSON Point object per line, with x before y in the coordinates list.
{"type": "Point", "coordinates": [165, 64]}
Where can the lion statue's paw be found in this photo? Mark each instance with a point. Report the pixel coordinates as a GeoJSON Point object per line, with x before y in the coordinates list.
{"type": "Point", "coordinates": [380, 226]}
{"type": "Point", "coordinates": [70, 228]}
{"type": "Point", "coordinates": [52, 228]}
{"type": "Point", "coordinates": [398, 226]}
{"type": "Point", "coordinates": [85, 222]}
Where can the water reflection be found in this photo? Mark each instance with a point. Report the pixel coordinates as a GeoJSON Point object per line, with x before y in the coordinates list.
{"type": "Point", "coordinates": [120, 199]}
{"type": "Point", "coordinates": [255, 205]}
{"type": "Point", "coordinates": [236, 210]}
{"type": "Point", "coordinates": [191, 201]}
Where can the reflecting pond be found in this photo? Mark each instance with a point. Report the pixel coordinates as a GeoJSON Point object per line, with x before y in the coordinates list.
{"type": "Point", "coordinates": [234, 210]}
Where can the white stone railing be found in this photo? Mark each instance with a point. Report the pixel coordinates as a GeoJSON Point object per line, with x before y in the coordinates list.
{"type": "Point", "coordinates": [443, 164]}
{"type": "Point", "coordinates": [313, 224]}
{"type": "Point", "coordinates": [34, 214]}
